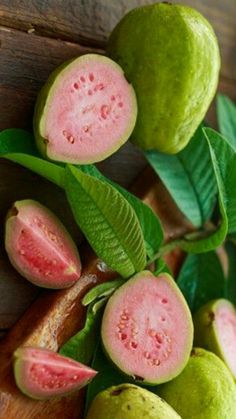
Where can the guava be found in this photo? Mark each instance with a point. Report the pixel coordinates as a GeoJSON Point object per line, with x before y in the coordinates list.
{"type": "Point", "coordinates": [128, 401]}
{"type": "Point", "coordinates": [85, 112]}
{"type": "Point", "coordinates": [204, 390]}
{"type": "Point", "coordinates": [42, 374]}
{"type": "Point", "coordinates": [147, 328]}
{"type": "Point", "coordinates": [171, 56]}
{"type": "Point", "coordinates": [215, 330]}
{"type": "Point", "coordinates": [39, 246]}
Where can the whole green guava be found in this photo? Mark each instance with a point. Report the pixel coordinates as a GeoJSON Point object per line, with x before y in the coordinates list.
{"type": "Point", "coordinates": [204, 390]}
{"type": "Point", "coordinates": [170, 54]}
{"type": "Point", "coordinates": [128, 401]}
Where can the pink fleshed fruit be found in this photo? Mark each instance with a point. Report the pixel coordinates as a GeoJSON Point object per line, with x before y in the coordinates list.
{"type": "Point", "coordinates": [39, 246]}
{"type": "Point", "coordinates": [85, 112]}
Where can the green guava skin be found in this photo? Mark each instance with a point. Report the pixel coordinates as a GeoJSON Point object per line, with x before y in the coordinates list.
{"type": "Point", "coordinates": [205, 333]}
{"type": "Point", "coordinates": [127, 401]}
{"type": "Point", "coordinates": [204, 390]}
{"type": "Point", "coordinates": [170, 54]}
{"type": "Point", "coordinates": [41, 109]}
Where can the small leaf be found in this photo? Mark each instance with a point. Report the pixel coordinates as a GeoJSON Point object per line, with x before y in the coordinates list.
{"type": "Point", "coordinates": [107, 220]}
{"type": "Point", "coordinates": [149, 222]}
{"type": "Point", "coordinates": [230, 247]}
{"type": "Point", "coordinates": [226, 114]}
{"type": "Point", "coordinates": [201, 279]}
{"type": "Point", "coordinates": [102, 290]}
{"type": "Point", "coordinates": [82, 345]}
{"type": "Point", "coordinates": [161, 267]}
{"type": "Point", "coordinates": [189, 178]}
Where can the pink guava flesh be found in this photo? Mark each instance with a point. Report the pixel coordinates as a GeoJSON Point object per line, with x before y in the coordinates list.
{"type": "Point", "coordinates": [147, 329]}
{"type": "Point", "coordinates": [39, 246]}
{"type": "Point", "coordinates": [90, 111]}
{"type": "Point", "coordinates": [225, 326]}
{"type": "Point", "coordinates": [42, 374]}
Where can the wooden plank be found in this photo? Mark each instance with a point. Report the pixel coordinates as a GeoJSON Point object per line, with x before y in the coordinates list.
{"type": "Point", "coordinates": [91, 21]}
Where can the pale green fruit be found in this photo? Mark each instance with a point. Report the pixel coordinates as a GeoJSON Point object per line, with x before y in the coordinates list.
{"type": "Point", "coordinates": [204, 390]}
{"type": "Point", "coordinates": [170, 54]}
{"type": "Point", "coordinates": [128, 401]}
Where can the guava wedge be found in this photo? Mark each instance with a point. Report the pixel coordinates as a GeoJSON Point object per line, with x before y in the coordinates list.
{"type": "Point", "coordinates": [170, 54]}
{"type": "Point", "coordinates": [39, 246]}
{"type": "Point", "coordinates": [204, 390]}
{"type": "Point", "coordinates": [42, 374]}
{"type": "Point", "coordinates": [215, 330]}
{"type": "Point", "coordinates": [147, 328]}
{"type": "Point", "coordinates": [127, 401]}
{"type": "Point", "coordinates": [85, 112]}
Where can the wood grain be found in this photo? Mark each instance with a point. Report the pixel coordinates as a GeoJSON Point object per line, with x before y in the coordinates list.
{"type": "Point", "coordinates": [91, 21]}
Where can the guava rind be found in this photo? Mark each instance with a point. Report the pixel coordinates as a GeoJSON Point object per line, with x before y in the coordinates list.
{"type": "Point", "coordinates": [147, 329]}
{"type": "Point", "coordinates": [171, 56]}
{"type": "Point", "coordinates": [43, 105]}
{"type": "Point", "coordinates": [204, 390]}
{"type": "Point", "coordinates": [130, 402]}
{"type": "Point", "coordinates": [59, 375]}
{"type": "Point", "coordinates": [39, 247]}
{"type": "Point", "coordinates": [209, 335]}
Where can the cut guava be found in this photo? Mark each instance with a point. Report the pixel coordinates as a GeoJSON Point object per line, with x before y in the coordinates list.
{"type": "Point", "coordinates": [204, 390]}
{"type": "Point", "coordinates": [170, 54]}
{"type": "Point", "coordinates": [85, 112]}
{"type": "Point", "coordinates": [127, 401]}
{"type": "Point", "coordinates": [39, 246]}
{"type": "Point", "coordinates": [42, 374]}
{"type": "Point", "coordinates": [215, 330]}
{"type": "Point", "coordinates": [147, 328]}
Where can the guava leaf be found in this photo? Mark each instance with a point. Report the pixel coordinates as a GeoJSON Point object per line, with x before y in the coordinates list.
{"type": "Point", "coordinates": [107, 220]}
{"type": "Point", "coordinates": [230, 293]}
{"type": "Point", "coordinates": [149, 222]}
{"type": "Point", "coordinates": [189, 178]}
{"type": "Point", "coordinates": [226, 115]}
{"type": "Point", "coordinates": [201, 279]}
{"type": "Point", "coordinates": [161, 267]}
{"type": "Point", "coordinates": [102, 290]}
{"type": "Point", "coordinates": [82, 345]}
{"type": "Point", "coordinates": [17, 145]}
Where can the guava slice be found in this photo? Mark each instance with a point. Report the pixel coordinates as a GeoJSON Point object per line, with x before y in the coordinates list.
{"type": "Point", "coordinates": [147, 328]}
{"type": "Point", "coordinates": [127, 401]}
{"type": "Point", "coordinates": [170, 54]}
{"type": "Point", "coordinates": [215, 330]}
{"type": "Point", "coordinates": [85, 112]}
{"type": "Point", "coordinates": [39, 246]}
{"type": "Point", "coordinates": [204, 390]}
{"type": "Point", "coordinates": [42, 374]}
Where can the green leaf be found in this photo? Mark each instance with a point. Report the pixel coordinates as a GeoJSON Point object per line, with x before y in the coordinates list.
{"type": "Point", "coordinates": [149, 222]}
{"type": "Point", "coordinates": [107, 220]}
{"type": "Point", "coordinates": [201, 279]}
{"type": "Point", "coordinates": [224, 162]}
{"type": "Point", "coordinates": [226, 114]}
{"type": "Point", "coordinates": [16, 140]}
{"type": "Point", "coordinates": [230, 247]}
{"type": "Point", "coordinates": [189, 178]}
{"type": "Point", "coordinates": [82, 345]}
{"type": "Point", "coordinates": [102, 290]}
{"type": "Point", "coordinates": [161, 267]}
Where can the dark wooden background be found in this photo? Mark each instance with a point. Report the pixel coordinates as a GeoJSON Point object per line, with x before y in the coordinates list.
{"type": "Point", "coordinates": [35, 37]}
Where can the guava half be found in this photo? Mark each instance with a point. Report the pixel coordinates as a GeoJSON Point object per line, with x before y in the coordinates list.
{"type": "Point", "coordinates": [39, 246]}
{"type": "Point", "coordinates": [42, 374]}
{"type": "Point", "coordinates": [85, 112]}
{"type": "Point", "coordinates": [170, 54]}
{"type": "Point", "coordinates": [128, 401]}
{"type": "Point", "coordinates": [215, 330]}
{"type": "Point", "coordinates": [147, 328]}
{"type": "Point", "coordinates": [204, 390]}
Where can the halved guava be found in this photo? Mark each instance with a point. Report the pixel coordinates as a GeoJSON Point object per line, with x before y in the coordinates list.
{"type": "Point", "coordinates": [147, 328]}
{"type": "Point", "coordinates": [39, 246]}
{"type": "Point", "coordinates": [42, 374]}
{"type": "Point", "coordinates": [215, 330]}
{"type": "Point", "coordinates": [86, 111]}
